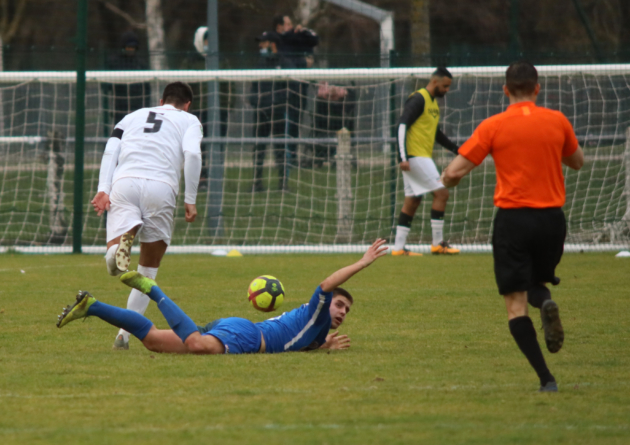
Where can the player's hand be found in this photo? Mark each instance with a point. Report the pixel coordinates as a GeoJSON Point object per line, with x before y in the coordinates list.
{"type": "Point", "coordinates": [336, 341]}
{"type": "Point", "coordinates": [100, 203]}
{"type": "Point", "coordinates": [404, 166]}
{"type": "Point", "coordinates": [191, 212]}
{"type": "Point", "coordinates": [376, 250]}
{"type": "Point", "coordinates": [298, 28]}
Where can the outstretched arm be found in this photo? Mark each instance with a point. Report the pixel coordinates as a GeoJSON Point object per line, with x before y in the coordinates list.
{"type": "Point", "coordinates": [456, 170]}
{"type": "Point", "coordinates": [376, 250]}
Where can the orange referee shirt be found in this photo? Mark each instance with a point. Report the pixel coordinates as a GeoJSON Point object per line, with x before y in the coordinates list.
{"type": "Point", "coordinates": [527, 144]}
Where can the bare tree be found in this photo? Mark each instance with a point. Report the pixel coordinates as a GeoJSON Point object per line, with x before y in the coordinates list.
{"type": "Point", "coordinates": [306, 11]}
{"type": "Point", "coordinates": [420, 32]}
{"type": "Point", "coordinates": [155, 35]}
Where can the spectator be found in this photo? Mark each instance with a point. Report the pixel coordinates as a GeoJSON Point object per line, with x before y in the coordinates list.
{"type": "Point", "coordinates": [273, 101]}
{"type": "Point", "coordinates": [334, 110]}
{"type": "Point", "coordinates": [296, 43]}
{"type": "Point", "coordinates": [128, 97]}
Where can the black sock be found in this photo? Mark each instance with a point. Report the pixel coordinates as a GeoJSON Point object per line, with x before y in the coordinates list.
{"type": "Point", "coordinates": [537, 295]}
{"type": "Point", "coordinates": [404, 220]}
{"type": "Point", "coordinates": [522, 329]}
{"type": "Point", "coordinates": [437, 214]}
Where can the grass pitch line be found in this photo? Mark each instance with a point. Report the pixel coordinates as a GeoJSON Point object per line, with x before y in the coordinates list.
{"type": "Point", "coordinates": [56, 266]}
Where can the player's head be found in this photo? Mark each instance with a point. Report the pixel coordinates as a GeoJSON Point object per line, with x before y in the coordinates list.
{"type": "Point", "coordinates": [440, 82]}
{"type": "Point", "coordinates": [521, 80]}
{"type": "Point", "coordinates": [178, 94]}
{"type": "Point", "coordinates": [340, 306]}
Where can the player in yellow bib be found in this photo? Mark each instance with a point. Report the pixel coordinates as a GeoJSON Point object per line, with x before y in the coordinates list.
{"type": "Point", "coordinates": [417, 132]}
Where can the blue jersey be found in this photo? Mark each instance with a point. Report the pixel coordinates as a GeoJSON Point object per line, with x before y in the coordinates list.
{"type": "Point", "coordinates": [303, 328]}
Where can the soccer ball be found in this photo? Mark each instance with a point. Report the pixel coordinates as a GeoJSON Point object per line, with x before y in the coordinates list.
{"type": "Point", "coordinates": [266, 293]}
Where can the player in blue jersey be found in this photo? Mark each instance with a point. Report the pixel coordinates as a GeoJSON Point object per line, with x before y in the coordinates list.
{"type": "Point", "coordinates": [305, 328]}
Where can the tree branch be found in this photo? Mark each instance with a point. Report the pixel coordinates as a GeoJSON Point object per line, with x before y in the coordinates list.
{"type": "Point", "coordinates": [9, 31]}
{"type": "Point", "coordinates": [124, 15]}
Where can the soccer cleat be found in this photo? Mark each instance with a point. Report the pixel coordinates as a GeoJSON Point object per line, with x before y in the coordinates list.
{"type": "Point", "coordinates": [549, 387]}
{"type": "Point", "coordinates": [443, 249]}
{"type": "Point", "coordinates": [405, 252]}
{"type": "Point", "coordinates": [77, 310]}
{"type": "Point", "coordinates": [554, 334]}
{"type": "Point", "coordinates": [120, 344]}
{"type": "Point", "coordinates": [138, 281]}
{"type": "Point", "coordinates": [123, 253]}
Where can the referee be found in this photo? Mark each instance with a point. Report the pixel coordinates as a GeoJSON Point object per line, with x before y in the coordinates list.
{"type": "Point", "coordinates": [529, 144]}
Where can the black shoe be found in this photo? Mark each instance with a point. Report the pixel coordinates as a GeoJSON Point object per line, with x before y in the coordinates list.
{"type": "Point", "coordinates": [554, 334]}
{"type": "Point", "coordinates": [549, 387]}
{"type": "Point", "coordinates": [257, 187]}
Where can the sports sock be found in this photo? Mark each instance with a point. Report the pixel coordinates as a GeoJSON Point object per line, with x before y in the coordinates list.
{"type": "Point", "coordinates": [131, 321]}
{"type": "Point", "coordinates": [110, 260]}
{"type": "Point", "coordinates": [402, 230]}
{"type": "Point", "coordinates": [138, 302]}
{"type": "Point", "coordinates": [522, 329]}
{"type": "Point", "coordinates": [537, 295]}
{"type": "Point", "coordinates": [179, 322]}
{"type": "Point", "coordinates": [437, 226]}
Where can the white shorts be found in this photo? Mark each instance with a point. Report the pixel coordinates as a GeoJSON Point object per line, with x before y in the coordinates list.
{"type": "Point", "coordinates": [136, 201]}
{"type": "Point", "coordinates": [422, 178]}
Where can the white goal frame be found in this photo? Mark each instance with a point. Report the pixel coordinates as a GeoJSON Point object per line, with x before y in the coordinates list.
{"type": "Point", "coordinates": [614, 243]}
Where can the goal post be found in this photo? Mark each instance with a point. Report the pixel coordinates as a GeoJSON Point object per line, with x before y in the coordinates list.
{"type": "Point", "coordinates": [329, 132]}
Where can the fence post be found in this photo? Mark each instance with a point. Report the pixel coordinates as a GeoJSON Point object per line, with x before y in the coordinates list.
{"type": "Point", "coordinates": [626, 189]}
{"type": "Point", "coordinates": [344, 187]}
{"type": "Point", "coordinates": [54, 186]}
{"type": "Point", "coordinates": [79, 132]}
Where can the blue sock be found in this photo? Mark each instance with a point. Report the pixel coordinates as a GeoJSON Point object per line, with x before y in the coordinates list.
{"type": "Point", "coordinates": [179, 322]}
{"type": "Point", "coordinates": [132, 322]}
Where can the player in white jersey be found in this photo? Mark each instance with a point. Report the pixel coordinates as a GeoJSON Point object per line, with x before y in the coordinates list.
{"type": "Point", "coordinates": [139, 183]}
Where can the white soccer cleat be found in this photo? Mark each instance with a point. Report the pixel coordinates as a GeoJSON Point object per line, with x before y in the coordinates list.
{"type": "Point", "coordinates": [123, 253]}
{"type": "Point", "coordinates": [110, 261]}
{"type": "Point", "coordinates": [120, 344]}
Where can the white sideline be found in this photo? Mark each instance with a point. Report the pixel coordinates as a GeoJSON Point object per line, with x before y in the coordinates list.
{"type": "Point", "coordinates": [299, 249]}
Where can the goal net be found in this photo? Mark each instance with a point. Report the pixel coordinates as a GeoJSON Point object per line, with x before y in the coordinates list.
{"type": "Point", "coordinates": [303, 160]}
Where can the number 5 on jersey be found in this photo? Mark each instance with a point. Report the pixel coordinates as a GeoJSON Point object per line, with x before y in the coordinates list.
{"type": "Point", "coordinates": [157, 123]}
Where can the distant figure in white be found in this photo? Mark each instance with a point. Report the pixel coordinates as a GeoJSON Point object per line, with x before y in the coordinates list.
{"type": "Point", "coordinates": [139, 182]}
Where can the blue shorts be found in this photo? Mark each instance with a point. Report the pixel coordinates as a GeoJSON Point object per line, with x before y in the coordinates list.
{"type": "Point", "coordinates": [239, 336]}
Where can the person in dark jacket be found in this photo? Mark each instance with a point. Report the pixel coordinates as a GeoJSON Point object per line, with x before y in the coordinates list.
{"type": "Point", "coordinates": [277, 113]}
{"type": "Point", "coordinates": [297, 43]}
{"type": "Point", "coordinates": [334, 110]}
{"type": "Point", "coordinates": [128, 97]}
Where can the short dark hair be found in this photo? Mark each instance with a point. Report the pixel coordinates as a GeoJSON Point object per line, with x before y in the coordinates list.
{"type": "Point", "coordinates": [277, 20]}
{"type": "Point", "coordinates": [521, 78]}
{"type": "Point", "coordinates": [341, 292]}
{"type": "Point", "coordinates": [177, 93]}
{"type": "Point", "coordinates": [441, 71]}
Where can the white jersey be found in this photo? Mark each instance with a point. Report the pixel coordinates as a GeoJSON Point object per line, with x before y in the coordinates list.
{"type": "Point", "coordinates": [153, 143]}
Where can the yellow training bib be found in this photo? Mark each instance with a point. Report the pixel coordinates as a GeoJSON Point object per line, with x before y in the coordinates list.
{"type": "Point", "coordinates": [421, 134]}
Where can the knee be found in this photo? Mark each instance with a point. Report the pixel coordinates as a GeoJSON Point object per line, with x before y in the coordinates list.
{"type": "Point", "coordinates": [194, 344]}
{"type": "Point", "coordinates": [441, 194]}
{"type": "Point", "coordinates": [198, 344]}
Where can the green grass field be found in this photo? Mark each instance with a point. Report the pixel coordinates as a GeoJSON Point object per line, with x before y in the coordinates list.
{"type": "Point", "coordinates": [432, 360]}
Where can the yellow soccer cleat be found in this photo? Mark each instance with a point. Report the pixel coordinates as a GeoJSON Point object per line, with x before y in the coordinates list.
{"type": "Point", "coordinates": [138, 281]}
{"type": "Point", "coordinates": [443, 249]}
{"type": "Point", "coordinates": [77, 310]}
{"type": "Point", "coordinates": [405, 252]}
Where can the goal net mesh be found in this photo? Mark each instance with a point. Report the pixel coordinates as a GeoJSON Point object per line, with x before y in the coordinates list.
{"type": "Point", "coordinates": [337, 193]}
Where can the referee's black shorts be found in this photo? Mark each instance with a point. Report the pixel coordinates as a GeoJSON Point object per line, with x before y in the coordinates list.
{"type": "Point", "coordinates": [527, 245]}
